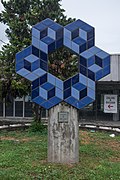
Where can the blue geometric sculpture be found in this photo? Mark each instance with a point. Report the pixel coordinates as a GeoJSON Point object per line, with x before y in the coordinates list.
{"type": "Point", "coordinates": [48, 90]}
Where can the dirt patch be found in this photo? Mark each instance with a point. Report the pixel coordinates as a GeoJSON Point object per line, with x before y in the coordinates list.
{"type": "Point", "coordinates": [112, 144]}
{"type": "Point", "coordinates": [115, 159]}
{"type": "Point", "coordinates": [85, 137]}
{"type": "Point", "coordinates": [8, 138]}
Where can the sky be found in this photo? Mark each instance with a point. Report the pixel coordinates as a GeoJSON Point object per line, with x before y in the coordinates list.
{"type": "Point", "coordinates": [103, 15]}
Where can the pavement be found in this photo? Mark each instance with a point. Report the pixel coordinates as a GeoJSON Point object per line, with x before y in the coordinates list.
{"type": "Point", "coordinates": [9, 124]}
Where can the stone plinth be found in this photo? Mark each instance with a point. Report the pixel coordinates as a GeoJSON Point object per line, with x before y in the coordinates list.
{"type": "Point", "coordinates": [63, 134]}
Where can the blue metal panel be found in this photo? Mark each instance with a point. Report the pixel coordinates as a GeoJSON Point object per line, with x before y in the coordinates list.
{"type": "Point", "coordinates": [59, 93]}
{"type": "Point", "coordinates": [91, 84]}
{"type": "Point", "coordinates": [59, 83]}
{"type": "Point", "coordinates": [47, 105]}
{"type": "Point", "coordinates": [31, 77]}
{"type": "Point", "coordinates": [99, 74]}
{"type": "Point", "coordinates": [86, 100]}
{"type": "Point", "coordinates": [51, 93]}
{"type": "Point", "coordinates": [48, 22]}
{"type": "Point", "coordinates": [35, 51]}
{"type": "Point", "coordinates": [71, 100]}
{"type": "Point", "coordinates": [106, 71]}
{"type": "Point", "coordinates": [27, 65]}
{"type": "Point", "coordinates": [52, 33]}
{"type": "Point", "coordinates": [27, 51]}
{"type": "Point", "coordinates": [90, 43]}
{"type": "Point", "coordinates": [67, 83]}
{"type": "Point", "coordinates": [67, 93]}
{"type": "Point", "coordinates": [35, 65]}
{"type": "Point", "coordinates": [36, 42]}
{"type": "Point", "coordinates": [94, 50]}
{"type": "Point", "coordinates": [94, 68]}
{"type": "Point", "coordinates": [75, 93]}
{"type": "Point", "coordinates": [75, 79]}
{"type": "Point", "coordinates": [59, 43]}
{"type": "Point", "coordinates": [35, 84]}
{"type": "Point", "coordinates": [106, 61]}
{"type": "Point", "coordinates": [83, 93]}
{"type": "Point", "coordinates": [43, 93]}
{"type": "Point", "coordinates": [35, 93]}
{"type": "Point", "coordinates": [91, 93]}
{"type": "Point", "coordinates": [79, 105]}
{"type": "Point", "coordinates": [39, 72]}
{"type": "Point", "coordinates": [47, 86]}
{"type": "Point", "coordinates": [36, 33]}
{"type": "Point", "coordinates": [43, 79]}
{"type": "Point", "coordinates": [43, 33]}
{"type": "Point", "coordinates": [83, 70]}
{"type": "Point", "coordinates": [51, 79]}
{"type": "Point", "coordinates": [23, 72]}
{"type": "Point", "coordinates": [40, 26]}
{"type": "Point", "coordinates": [39, 100]}
{"type": "Point", "coordinates": [91, 75]}
{"type": "Point", "coordinates": [54, 100]}
{"type": "Point", "coordinates": [78, 45]}
{"type": "Point", "coordinates": [31, 58]}
{"type": "Point", "coordinates": [43, 56]}
{"type": "Point", "coordinates": [83, 61]}
{"type": "Point", "coordinates": [43, 65]}
{"type": "Point", "coordinates": [79, 86]}
{"type": "Point", "coordinates": [75, 34]}
{"type": "Point", "coordinates": [19, 65]}
{"type": "Point", "coordinates": [83, 79]}
{"type": "Point", "coordinates": [83, 34]}
{"type": "Point", "coordinates": [19, 56]}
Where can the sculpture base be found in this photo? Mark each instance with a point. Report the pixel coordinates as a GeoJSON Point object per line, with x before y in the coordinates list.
{"type": "Point", "coordinates": [63, 134]}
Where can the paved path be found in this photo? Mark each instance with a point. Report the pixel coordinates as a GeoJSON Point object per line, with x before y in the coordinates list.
{"type": "Point", "coordinates": [101, 123]}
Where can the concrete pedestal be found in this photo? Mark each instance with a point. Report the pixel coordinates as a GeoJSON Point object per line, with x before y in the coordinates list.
{"type": "Point", "coordinates": [63, 134]}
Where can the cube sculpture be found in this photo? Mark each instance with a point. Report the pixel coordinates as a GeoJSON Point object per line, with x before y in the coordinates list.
{"type": "Point", "coordinates": [48, 90]}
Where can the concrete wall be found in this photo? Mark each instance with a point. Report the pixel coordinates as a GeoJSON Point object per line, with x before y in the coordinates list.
{"type": "Point", "coordinates": [115, 69]}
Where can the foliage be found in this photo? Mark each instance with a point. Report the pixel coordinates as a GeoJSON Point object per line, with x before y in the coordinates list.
{"type": "Point", "coordinates": [23, 156]}
{"type": "Point", "coordinates": [63, 63]}
{"type": "Point", "coordinates": [19, 16]}
{"type": "Point", "coordinates": [38, 127]}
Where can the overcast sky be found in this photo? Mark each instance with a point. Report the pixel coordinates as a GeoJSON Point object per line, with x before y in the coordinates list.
{"type": "Point", "coordinates": [104, 15]}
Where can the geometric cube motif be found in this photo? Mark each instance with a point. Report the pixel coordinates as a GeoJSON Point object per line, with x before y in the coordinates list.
{"type": "Point", "coordinates": [78, 36]}
{"type": "Point", "coordinates": [48, 90]}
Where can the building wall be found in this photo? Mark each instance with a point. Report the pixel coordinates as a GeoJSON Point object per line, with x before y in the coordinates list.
{"type": "Point", "coordinates": [115, 69]}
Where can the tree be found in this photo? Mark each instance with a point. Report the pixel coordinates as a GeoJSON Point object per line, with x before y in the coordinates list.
{"type": "Point", "coordinates": [19, 16]}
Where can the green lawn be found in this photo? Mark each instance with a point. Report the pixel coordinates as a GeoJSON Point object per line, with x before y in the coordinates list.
{"type": "Point", "coordinates": [23, 155]}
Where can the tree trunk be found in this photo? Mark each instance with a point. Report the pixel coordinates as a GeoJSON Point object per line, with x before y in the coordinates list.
{"type": "Point", "coordinates": [37, 112]}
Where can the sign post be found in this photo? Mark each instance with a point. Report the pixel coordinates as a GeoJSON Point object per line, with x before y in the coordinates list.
{"type": "Point", "coordinates": [51, 93]}
{"type": "Point", "coordinates": [110, 103]}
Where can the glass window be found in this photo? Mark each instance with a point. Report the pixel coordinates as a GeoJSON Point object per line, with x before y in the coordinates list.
{"type": "Point", "coordinates": [28, 109]}
{"type": "Point", "coordinates": [1, 109]}
{"type": "Point", "coordinates": [19, 108]}
{"type": "Point", "coordinates": [9, 109]}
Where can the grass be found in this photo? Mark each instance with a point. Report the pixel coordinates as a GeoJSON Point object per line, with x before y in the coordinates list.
{"type": "Point", "coordinates": [23, 155]}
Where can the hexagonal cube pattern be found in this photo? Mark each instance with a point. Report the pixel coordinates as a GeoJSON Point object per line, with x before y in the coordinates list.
{"type": "Point", "coordinates": [78, 36]}
{"type": "Point", "coordinates": [48, 90]}
{"type": "Point", "coordinates": [94, 63]}
{"type": "Point", "coordinates": [31, 63]}
{"type": "Point", "coordinates": [79, 91]}
{"type": "Point", "coordinates": [47, 36]}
